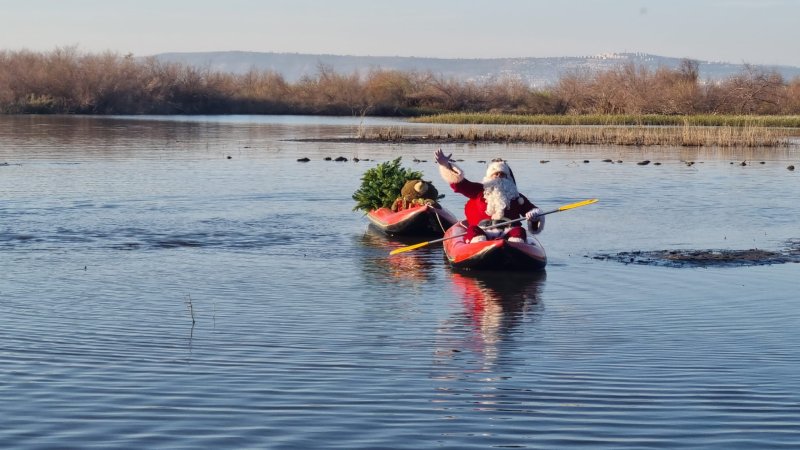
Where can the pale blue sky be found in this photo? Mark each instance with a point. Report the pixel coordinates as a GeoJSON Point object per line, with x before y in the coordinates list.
{"type": "Point", "coordinates": [751, 31]}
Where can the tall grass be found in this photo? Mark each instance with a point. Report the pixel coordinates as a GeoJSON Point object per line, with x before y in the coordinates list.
{"type": "Point", "coordinates": [683, 136]}
{"type": "Point", "coordinates": [614, 119]}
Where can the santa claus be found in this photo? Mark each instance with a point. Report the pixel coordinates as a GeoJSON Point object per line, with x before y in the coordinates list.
{"type": "Point", "coordinates": [493, 201]}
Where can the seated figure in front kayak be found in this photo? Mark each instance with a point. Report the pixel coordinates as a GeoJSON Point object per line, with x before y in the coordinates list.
{"type": "Point", "coordinates": [493, 201]}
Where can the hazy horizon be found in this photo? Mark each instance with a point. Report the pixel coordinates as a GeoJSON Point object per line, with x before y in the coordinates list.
{"type": "Point", "coordinates": [350, 55]}
{"type": "Point", "coordinates": [733, 31]}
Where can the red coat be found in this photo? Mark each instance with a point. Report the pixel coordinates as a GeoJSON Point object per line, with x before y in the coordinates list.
{"type": "Point", "coordinates": [475, 209]}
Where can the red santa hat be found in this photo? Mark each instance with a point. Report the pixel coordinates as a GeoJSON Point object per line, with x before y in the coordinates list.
{"type": "Point", "coordinates": [498, 165]}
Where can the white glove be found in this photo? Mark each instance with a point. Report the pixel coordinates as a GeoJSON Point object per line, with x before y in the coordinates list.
{"type": "Point", "coordinates": [535, 220]}
{"type": "Point", "coordinates": [442, 159]}
{"type": "Point", "coordinates": [533, 214]}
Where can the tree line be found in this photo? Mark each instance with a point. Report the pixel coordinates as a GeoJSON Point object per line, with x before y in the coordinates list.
{"type": "Point", "coordinates": [67, 81]}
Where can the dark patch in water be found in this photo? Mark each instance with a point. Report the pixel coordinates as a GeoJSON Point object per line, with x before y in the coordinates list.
{"type": "Point", "coordinates": [707, 258]}
{"type": "Point", "coordinates": [174, 243]}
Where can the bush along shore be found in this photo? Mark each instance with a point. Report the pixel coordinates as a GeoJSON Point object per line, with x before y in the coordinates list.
{"type": "Point", "coordinates": [68, 81]}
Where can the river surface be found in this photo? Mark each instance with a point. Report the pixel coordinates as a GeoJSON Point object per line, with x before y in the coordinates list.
{"type": "Point", "coordinates": [185, 282]}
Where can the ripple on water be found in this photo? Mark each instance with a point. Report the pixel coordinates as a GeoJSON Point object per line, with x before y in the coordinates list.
{"type": "Point", "coordinates": [307, 335]}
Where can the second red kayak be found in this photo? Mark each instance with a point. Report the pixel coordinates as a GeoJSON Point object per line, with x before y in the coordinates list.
{"type": "Point", "coordinates": [417, 220]}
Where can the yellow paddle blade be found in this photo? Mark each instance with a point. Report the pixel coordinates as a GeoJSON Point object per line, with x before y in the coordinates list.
{"type": "Point", "coordinates": [578, 204]}
{"type": "Point", "coordinates": [409, 248]}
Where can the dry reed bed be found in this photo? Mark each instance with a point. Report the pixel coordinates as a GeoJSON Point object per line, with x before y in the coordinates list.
{"type": "Point", "coordinates": [686, 136]}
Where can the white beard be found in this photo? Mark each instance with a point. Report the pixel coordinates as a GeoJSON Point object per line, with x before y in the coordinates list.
{"type": "Point", "coordinates": [499, 193]}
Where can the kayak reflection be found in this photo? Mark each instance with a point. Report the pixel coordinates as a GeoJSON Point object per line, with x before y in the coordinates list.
{"type": "Point", "coordinates": [494, 304]}
{"type": "Point", "coordinates": [410, 266]}
{"type": "Point", "coordinates": [497, 302]}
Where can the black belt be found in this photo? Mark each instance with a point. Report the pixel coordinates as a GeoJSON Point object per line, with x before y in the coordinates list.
{"type": "Point", "coordinates": [492, 222]}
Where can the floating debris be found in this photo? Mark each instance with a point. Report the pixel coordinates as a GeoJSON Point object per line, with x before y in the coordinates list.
{"type": "Point", "coordinates": [328, 158]}
{"type": "Point", "coordinates": [340, 159]}
{"type": "Point", "coordinates": [303, 160]}
{"type": "Point", "coordinates": [608, 161]}
{"type": "Point", "coordinates": [706, 258]}
{"type": "Point", "coordinates": [544, 161]}
{"type": "Point", "coordinates": [586, 161]}
{"type": "Point", "coordinates": [643, 163]}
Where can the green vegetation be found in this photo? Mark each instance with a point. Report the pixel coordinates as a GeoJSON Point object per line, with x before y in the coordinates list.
{"type": "Point", "coordinates": [614, 120]}
{"type": "Point", "coordinates": [381, 185]}
{"type": "Point", "coordinates": [70, 82]}
{"type": "Point", "coordinates": [681, 136]}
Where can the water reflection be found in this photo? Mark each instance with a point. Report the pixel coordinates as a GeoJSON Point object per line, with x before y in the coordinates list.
{"type": "Point", "coordinates": [416, 266]}
{"type": "Point", "coordinates": [493, 305]}
{"type": "Point", "coordinates": [476, 351]}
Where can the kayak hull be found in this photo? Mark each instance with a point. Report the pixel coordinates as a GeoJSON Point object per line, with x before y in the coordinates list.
{"type": "Point", "coordinates": [496, 254]}
{"type": "Point", "coordinates": [415, 221]}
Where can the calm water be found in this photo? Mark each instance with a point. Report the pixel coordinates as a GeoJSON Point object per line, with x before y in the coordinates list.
{"type": "Point", "coordinates": [307, 335]}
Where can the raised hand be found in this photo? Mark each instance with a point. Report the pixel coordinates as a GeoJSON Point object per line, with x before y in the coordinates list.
{"type": "Point", "coordinates": [441, 158]}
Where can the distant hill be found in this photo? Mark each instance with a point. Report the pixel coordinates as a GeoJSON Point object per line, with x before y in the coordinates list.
{"type": "Point", "coordinates": [537, 72]}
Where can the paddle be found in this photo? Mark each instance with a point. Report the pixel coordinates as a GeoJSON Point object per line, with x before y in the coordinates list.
{"type": "Point", "coordinates": [501, 224]}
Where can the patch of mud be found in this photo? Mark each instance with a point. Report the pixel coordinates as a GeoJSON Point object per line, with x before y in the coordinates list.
{"type": "Point", "coordinates": [707, 258]}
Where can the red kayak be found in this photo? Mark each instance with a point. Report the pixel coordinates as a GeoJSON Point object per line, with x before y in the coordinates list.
{"type": "Point", "coordinates": [417, 220]}
{"type": "Point", "coordinates": [496, 254]}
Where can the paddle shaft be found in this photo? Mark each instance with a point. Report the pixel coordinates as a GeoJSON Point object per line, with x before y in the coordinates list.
{"type": "Point", "coordinates": [501, 224]}
{"type": "Point", "coordinates": [497, 225]}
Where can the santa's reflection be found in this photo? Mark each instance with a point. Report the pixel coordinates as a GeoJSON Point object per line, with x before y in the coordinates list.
{"type": "Point", "coordinates": [493, 305]}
